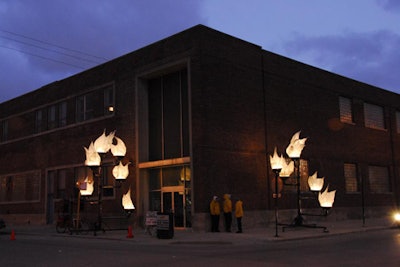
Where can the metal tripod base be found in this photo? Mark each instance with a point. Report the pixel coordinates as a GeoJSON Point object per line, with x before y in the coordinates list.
{"type": "Point", "coordinates": [299, 222]}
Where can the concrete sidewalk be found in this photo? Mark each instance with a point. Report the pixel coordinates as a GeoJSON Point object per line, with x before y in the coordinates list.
{"type": "Point", "coordinates": [188, 236]}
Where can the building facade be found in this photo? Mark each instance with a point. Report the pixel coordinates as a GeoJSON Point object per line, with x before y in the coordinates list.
{"type": "Point", "coordinates": [200, 112]}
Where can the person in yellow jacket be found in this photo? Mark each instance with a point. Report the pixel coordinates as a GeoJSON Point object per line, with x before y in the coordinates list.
{"type": "Point", "coordinates": [227, 207]}
{"type": "Point", "coordinates": [239, 214]}
{"type": "Point", "coordinates": [215, 211]}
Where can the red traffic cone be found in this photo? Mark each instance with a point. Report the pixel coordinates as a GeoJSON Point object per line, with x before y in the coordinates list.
{"type": "Point", "coordinates": [12, 236]}
{"type": "Point", "coordinates": [130, 234]}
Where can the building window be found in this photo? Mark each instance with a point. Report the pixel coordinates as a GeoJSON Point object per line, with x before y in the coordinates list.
{"type": "Point", "coordinates": [62, 114]}
{"type": "Point", "coordinates": [168, 116]}
{"type": "Point", "coordinates": [5, 188]}
{"type": "Point", "coordinates": [378, 178]}
{"type": "Point", "coordinates": [4, 131]}
{"type": "Point", "coordinates": [40, 121]}
{"type": "Point", "coordinates": [345, 108]}
{"type": "Point", "coordinates": [84, 107]}
{"type": "Point", "coordinates": [350, 177]}
{"type": "Point", "coordinates": [374, 117]}
{"type": "Point", "coordinates": [20, 187]}
{"type": "Point", "coordinates": [52, 117]}
{"type": "Point", "coordinates": [398, 121]}
{"type": "Point", "coordinates": [109, 103]}
{"type": "Point", "coordinates": [95, 104]}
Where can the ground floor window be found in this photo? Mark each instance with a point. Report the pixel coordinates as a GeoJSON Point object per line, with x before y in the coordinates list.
{"type": "Point", "coordinates": [378, 178]}
{"type": "Point", "coordinates": [21, 187]}
{"type": "Point", "coordinates": [350, 177]}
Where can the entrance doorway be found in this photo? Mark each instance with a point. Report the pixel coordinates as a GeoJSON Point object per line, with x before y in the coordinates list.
{"type": "Point", "coordinates": [173, 201]}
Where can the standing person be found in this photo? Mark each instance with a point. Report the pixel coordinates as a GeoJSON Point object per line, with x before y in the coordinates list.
{"type": "Point", "coordinates": [227, 207]}
{"type": "Point", "coordinates": [215, 212]}
{"type": "Point", "coordinates": [239, 214]}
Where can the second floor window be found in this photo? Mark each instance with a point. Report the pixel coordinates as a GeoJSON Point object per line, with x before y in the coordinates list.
{"type": "Point", "coordinates": [52, 117]}
{"type": "Point", "coordinates": [374, 116]}
{"type": "Point", "coordinates": [40, 121]}
{"type": "Point", "coordinates": [4, 131]}
{"type": "Point", "coordinates": [84, 107]}
{"type": "Point", "coordinates": [398, 121]}
{"type": "Point", "coordinates": [95, 104]}
{"type": "Point", "coordinates": [345, 108]}
{"type": "Point", "coordinates": [109, 104]}
{"type": "Point", "coordinates": [62, 114]}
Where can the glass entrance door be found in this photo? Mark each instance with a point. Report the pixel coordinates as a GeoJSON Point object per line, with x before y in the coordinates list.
{"type": "Point", "coordinates": [173, 201]}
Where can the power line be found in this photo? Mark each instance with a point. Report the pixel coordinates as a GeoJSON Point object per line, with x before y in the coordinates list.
{"type": "Point", "coordinates": [42, 57]}
{"type": "Point", "coordinates": [55, 45]}
{"type": "Point", "coordinates": [50, 50]}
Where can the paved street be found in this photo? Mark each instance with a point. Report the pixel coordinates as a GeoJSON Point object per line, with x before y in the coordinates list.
{"type": "Point", "coordinates": [367, 247]}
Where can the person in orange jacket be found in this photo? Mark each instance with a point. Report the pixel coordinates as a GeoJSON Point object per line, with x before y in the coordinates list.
{"type": "Point", "coordinates": [215, 211]}
{"type": "Point", "coordinates": [227, 207]}
{"type": "Point", "coordinates": [239, 214]}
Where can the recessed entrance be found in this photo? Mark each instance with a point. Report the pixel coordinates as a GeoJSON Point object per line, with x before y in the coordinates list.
{"type": "Point", "coordinates": [173, 201]}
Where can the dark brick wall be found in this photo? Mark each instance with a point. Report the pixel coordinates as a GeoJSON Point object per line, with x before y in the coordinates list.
{"type": "Point", "coordinates": [304, 98]}
{"type": "Point", "coordinates": [227, 121]}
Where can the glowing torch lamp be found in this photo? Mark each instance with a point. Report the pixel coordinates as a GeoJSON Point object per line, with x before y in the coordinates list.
{"type": "Point", "coordinates": [296, 146]}
{"type": "Point", "coordinates": [315, 183]}
{"type": "Point", "coordinates": [86, 188]}
{"type": "Point", "coordinates": [93, 158]}
{"type": "Point", "coordinates": [326, 199]}
{"type": "Point", "coordinates": [127, 202]}
{"type": "Point", "coordinates": [120, 172]}
{"type": "Point", "coordinates": [118, 150]}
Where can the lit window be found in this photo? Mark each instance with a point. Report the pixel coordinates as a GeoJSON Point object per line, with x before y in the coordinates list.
{"type": "Point", "coordinates": [350, 177]}
{"type": "Point", "coordinates": [374, 117]}
{"type": "Point", "coordinates": [109, 100]}
{"type": "Point", "coordinates": [346, 111]}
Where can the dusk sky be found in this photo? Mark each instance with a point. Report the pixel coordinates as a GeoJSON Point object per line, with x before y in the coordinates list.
{"type": "Point", "coordinates": [42, 41]}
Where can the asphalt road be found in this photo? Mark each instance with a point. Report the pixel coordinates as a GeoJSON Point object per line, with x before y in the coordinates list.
{"type": "Point", "coordinates": [378, 248]}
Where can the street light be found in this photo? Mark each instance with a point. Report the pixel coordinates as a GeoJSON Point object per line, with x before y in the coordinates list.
{"type": "Point", "coordinates": [396, 218]}
{"type": "Point", "coordinates": [294, 150]}
{"type": "Point", "coordinates": [95, 153]}
{"type": "Point", "coordinates": [325, 199]}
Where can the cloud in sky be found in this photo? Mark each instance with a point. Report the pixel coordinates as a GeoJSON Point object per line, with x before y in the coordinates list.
{"type": "Point", "coordinates": [369, 57]}
{"type": "Point", "coordinates": [48, 40]}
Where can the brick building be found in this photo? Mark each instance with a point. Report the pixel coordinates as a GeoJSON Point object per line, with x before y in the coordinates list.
{"type": "Point", "coordinates": [200, 112]}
